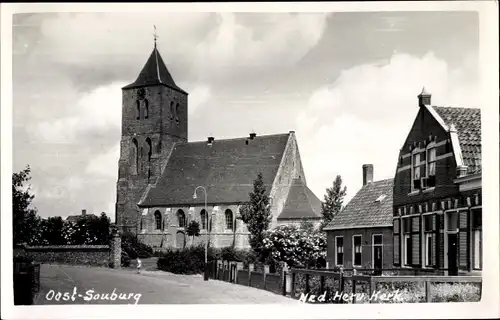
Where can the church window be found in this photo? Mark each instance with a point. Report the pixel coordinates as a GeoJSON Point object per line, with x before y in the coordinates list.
{"type": "Point", "coordinates": [182, 218]}
{"type": "Point", "coordinates": [138, 110]}
{"type": "Point", "coordinates": [177, 113]}
{"type": "Point", "coordinates": [203, 218]}
{"type": "Point", "coordinates": [150, 148]}
{"type": "Point", "coordinates": [171, 110]}
{"type": "Point", "coordinates": [229, 219]}
{"type": "Point", "coordinates": [158, 220]}
{"type": "Point", "coordinates": [135, 154]}
{"type": "Point", "coordinates": [146, 108]}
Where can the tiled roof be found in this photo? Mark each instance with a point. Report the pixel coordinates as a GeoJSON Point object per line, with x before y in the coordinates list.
{"type": "Point", "coordinates": [227, 169]}
{"type": "Point", "coordinates": [467, 121]}
{"type": "Point", "coordinates": [364, 211]}
{"type": "Point", "coordinates": [154, 72]}
{"type": "Point", "coordinates": [76, 218]}
{"type": "Point", "coordinates": [301, 202]}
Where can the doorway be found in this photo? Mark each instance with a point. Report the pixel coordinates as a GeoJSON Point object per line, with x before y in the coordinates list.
{"type": "Point", "coordinates": [452, 254]}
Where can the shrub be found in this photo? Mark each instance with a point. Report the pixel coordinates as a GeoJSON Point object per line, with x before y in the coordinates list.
{"type": "Point", "coordinates": [456, 292]}
{"type": "Point", "coordinates": [297, 247]}
{"type": "Point", "coordinates": [125, 260]}
{"type": "Point", "coordinates": [134, 248]}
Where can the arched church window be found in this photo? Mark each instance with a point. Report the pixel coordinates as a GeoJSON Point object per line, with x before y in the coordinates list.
{"type": "Point", "coordinates": [203, 218]}
{"type": "Point", "coordinates": [150, 148]}
{"type": "Point", "coordinates": [182, 218]}
{"type": "Point", "coordinates": [135, 156]}
{"type": "Point", "coordinates": [172, 111]}
{"type": "Point", "coordinates": [138, 110]}
{"type": "Point", "coordinates": [158, 220]}
{"type": "Point", "coordinates": [177, 113]}
{"type": "Point", "coordinates": [146, 108]}
{"type": "Point", "coordinates": [229, 219]}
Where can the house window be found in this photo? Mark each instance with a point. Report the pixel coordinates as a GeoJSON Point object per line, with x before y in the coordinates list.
{"type": "Point", "coordinates": [407, 246]}
{"type": "Point", "coordinates": [356, 259]}
{"type": "Point", "coordinates": [203, 218]}
{"type": "Point", "coordinates": [431, 167]}
{"type": "Point", "coordinates": [339, 250]}
{"type": "Point", "coordinates": [181, 217]}
{"type": "Point", "coordinates": [477, 239]}
{"type": "Point", "coordinates": [229, 219]}
{"type": "Point", "coordinates": [428, 249]}
{"type": "Point", "coordinates": [158, 220]}
{"type": "Point", "coordinates": [377, 247]}
{"type": "Point", "coordinates": [415, 185]}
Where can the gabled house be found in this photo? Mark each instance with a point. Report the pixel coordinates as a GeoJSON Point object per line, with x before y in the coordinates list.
{"type": "Point", "coordinates": [360, 236]}
{"type": "Point", "coordinates": [437, 191]}
{"type": "Point", "coordinates": [83, 216]}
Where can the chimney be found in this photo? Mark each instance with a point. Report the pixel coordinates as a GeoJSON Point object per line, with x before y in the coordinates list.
{"type": "Point", "coordinates": [367, 173]}
{"type": "Point", "coordinates": [84, 212]}
{"type": "Point", "coordinates": [424, 98]}
{"type": "Point", "coordinates": [210, 140]}
{"type": "Point", "coordinates": [252, 135]}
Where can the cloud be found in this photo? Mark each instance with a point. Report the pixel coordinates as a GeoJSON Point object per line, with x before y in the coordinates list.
{"type": "Point", "coordinates": [198, 98]}
{"type": "Point", "coordinates": [364, 117]}
{"type": "Point", "coordinates": [236, 43]}
{"type": "Point", "coordinates": [96, 112]}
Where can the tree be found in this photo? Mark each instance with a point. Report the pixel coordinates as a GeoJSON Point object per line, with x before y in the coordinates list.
{"type": "Point", "coordinates": [256, 214]}
{"type": "Point", "coordinates": [334, 199]}
{"type": "Point", "coordinates": [307, 225]}
{"type": "Point", "coordinates": [52, 231]}
{"type": "Point", "coordinates": [193, 229]}
{"type": "Point", "coordinates": [25, 221]}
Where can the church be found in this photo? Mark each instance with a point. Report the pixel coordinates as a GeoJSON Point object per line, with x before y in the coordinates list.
{"type": "Point", "coordinates": [165, 181]}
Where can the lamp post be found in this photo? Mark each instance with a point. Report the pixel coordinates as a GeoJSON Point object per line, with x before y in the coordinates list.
{"type": "Point", "coordinates": [208, 230]}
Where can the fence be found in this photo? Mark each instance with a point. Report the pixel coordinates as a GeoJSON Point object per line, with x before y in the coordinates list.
{"type": "Point", "coordinates": [326, 285]}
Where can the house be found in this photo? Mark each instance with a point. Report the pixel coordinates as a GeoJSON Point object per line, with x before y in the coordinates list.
{"type": "Point", "coordinates": [437, 191]}
{"type": "Point", "coordinates": [164, 179]}
{"type": "Point", "coordinates": [360, 236]}
{"type": "Point", "coordinates": [84, 215]}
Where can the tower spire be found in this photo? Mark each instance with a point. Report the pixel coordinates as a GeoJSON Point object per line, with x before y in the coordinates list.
{"type": "Point", "coordinates": [155, 36]}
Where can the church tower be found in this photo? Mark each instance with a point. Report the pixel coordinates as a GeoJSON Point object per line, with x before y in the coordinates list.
{"type": "Point", "coordinates": [154, 118]}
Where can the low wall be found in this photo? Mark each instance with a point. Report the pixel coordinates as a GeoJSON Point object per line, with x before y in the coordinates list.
{"type": "Point", "coordinates": [75, 255]}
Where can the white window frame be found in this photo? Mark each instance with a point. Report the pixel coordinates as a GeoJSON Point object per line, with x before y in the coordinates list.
{"type": "Point", "coordinates": [405, 246]}
{"type": "Point", "coordinates": [428, 238]}
{"type": "Point", "coordinates": [415, 164]}
{"type": "Point", "coordinates": [336, 251]}
{"type": "Point", "coordinates": [430, 147]}
{"type": "Point", "coordinates": [360, 250]}
{"type": "Point", "coordinates": [377, 245]}
{"type": "Point", "coordinates": [477, 262]}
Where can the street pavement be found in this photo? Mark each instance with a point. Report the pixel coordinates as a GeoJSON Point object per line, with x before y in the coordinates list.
{"type": "Point", "coordinates": [61, 284]}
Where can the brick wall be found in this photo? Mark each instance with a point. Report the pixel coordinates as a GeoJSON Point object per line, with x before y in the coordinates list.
{"type": "Point", "coordinates": [290, 168]}
{"type": "Point", "coordinates": [162, 129]}
{"type": "Point", "coordinates": [220, 236]}
{"type": "Point", "coordinates": [74, 255]}
{"type": "Point", "coordinates": [366, 241]}
{"type": "Point", "coordinates": [425, 125]}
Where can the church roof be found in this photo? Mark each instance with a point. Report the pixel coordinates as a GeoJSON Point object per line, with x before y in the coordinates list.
{"type": "Point", "coordinates": [226, 168]}
{"type": "Point", "coordinates": [154, 72]}
{"type": "Point", "coordinates": [370, 207]}
{"type": "Point", "coordinates": [301, 202]}
{"type": "Point", "coordinates": [467, 122]}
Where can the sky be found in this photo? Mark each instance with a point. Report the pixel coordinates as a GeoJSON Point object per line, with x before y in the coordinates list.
{"type": "Point", "coordinates": [346, 83]}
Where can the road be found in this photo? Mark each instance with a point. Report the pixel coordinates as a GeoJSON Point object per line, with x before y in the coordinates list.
{"type": "Point", "coordinates": [92, 285]}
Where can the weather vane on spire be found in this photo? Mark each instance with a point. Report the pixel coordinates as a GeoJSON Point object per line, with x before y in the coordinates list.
{"type": "Point", "coordinates": [155, 36]}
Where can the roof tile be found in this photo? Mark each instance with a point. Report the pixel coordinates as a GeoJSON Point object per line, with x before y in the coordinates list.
{"type": "Point", "coordinates": [301, 202]}
{"type": "Point", "coordinates": [364, 211]}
